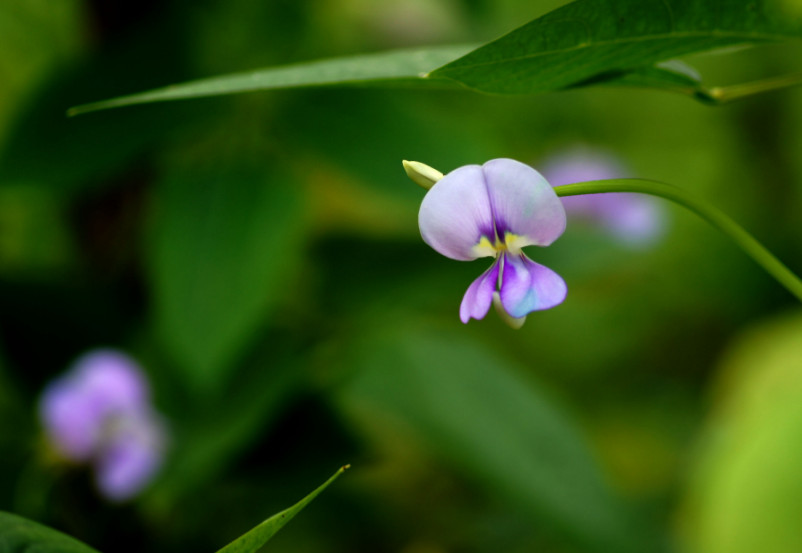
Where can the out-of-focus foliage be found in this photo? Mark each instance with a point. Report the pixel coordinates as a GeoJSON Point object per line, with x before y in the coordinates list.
{"type": "Point", "coordinates": [259, 256]}
{"type": "Point", "coordinates": [747, 492]}
{"type": "Point", "coordinates": [477, 413]}
{"type": "Point", "coordinates": [19, 534]}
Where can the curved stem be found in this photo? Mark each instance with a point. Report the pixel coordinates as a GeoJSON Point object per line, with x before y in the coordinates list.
{"type": "Point", "coordinates": [711, 214]}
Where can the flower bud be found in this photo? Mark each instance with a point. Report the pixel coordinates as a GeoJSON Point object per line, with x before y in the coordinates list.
{"type": "Point", "coordinates": [509, 320]}
{"type": "Point", "coordinates": [421, 174]}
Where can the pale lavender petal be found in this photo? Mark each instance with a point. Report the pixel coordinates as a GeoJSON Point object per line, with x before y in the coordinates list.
{"type": "Point", "coordinates": [113, 378]}
{"type": "Point", "coordinates": [479, 296]}
{"type": "Point", "coordinates": [523, 203]}
{"type": "Point", "coordinates": [131, 458]}
{"type": "Point", "coordinates": [75, 407]}
{"type": "Point", "coordinates": [73, 425]}
{"type": "Point", "coordinates": [455, 214]}
{"type": "Point", "coordinates": [527, 286]}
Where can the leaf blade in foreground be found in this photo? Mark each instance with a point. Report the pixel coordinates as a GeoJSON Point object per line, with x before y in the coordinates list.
{"type": "Point", "coordinates": [252, 540]}
{"type": "Point", "coordinates": [402, 68]}
{"type": "Point", "coordinates": [589, 38]}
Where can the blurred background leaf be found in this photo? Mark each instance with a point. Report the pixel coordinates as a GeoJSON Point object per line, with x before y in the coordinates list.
{"type": "Point", "coordinates": [227, 231]}
{"type": "Point", "coordinates": [746, 493]}
{"type": "Point", "coordinates": [471, 408]}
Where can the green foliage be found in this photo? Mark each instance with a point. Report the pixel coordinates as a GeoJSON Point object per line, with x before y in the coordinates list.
{"type": "Point", "coordinates": [259, 255]}
{"type": "Point", "coordinates": [257, 537]}
{"type": "Point", "coordinates": [403, 68]}
{"type": "Point", "coordinates": [19, 534]}
{"type": "Point", "coordinates": [227, 231]}
{"type": "Point", "coordinates": [747, 490]}
{"type": "Point", "coordinates": [477, 412]}
{"type": "Point", "coordinates": [597, 39]}
{"type": "Point", "coordinates": [586, 43]}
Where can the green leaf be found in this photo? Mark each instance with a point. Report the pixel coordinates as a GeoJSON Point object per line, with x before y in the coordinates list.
{"type": "Point", "coordinates": [398, 68]}
{"type": "Point", "coordinates": [746, 490]}
{"type": "Point", "coordinates": [18, 534]}
{"type": "Point", "coordinates": [474, 410]}
{"type": "Point", "coordinates": [585, 43]}
{"type": "Point", "coordinates": [228, 231]}
{"type": "Point", "coordinates": [256, 538]}
{"type": "Point", "coordinates": [592, 38]}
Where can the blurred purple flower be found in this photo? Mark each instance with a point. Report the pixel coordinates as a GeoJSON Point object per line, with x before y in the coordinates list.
{"type": "Point", "coordinates": [100, 412]}
{"type": "Point", "coordinates": [634, 219]}
{"type": "Point", "coordinates": [494, 211]}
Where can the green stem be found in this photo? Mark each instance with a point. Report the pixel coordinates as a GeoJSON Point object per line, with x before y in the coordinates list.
{"type": "Point", "coordinates": [719, 95]}
{"type": "Point", "coordinates": [711, 214]}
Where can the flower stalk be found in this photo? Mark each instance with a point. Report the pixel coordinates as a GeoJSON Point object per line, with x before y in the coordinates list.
{"type": "Point", "coordinates": [709, 213]}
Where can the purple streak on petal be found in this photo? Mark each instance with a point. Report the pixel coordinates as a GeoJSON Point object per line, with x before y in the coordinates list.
{"type": "Point", "coordinates": [479, 295]}
{"type": "Point", "coordinates": [634, 219]}
{"type": "Point", "coordinates": [75, 407]}
{"type": "Point", "coordinates": [455, 214]}
{"type": "Point", "coordinates": [527, 286]}
{"type": "Point", "coordinates": [131, 457]}
{"type": "Point", "coordinates": [523, 202]}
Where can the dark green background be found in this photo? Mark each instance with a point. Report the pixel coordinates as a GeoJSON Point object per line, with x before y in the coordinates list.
{"type": "Point", "coordinates": [259, 254]}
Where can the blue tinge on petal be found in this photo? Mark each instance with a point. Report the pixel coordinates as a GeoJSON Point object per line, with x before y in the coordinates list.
{"type": "Point", "coordinates": [479, 296]}
{"type": "Point", "coordinates": [527, 286]}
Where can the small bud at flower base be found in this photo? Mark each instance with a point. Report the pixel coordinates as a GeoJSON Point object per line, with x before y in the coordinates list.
{"type": "Point", "coordinates": [422, 174]}
{"type": "Point", "coordinates": [509, 320]}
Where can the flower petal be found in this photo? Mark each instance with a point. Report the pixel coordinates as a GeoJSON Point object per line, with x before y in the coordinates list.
{"type": "Point", "coordinates": [455, 215]}
{"type": "Point", "coordinates": [523, 203]}
{"type": "Point", "coordinates": [479, 296]}
{"type": "Point", "coordinates": [131, 458]}
{"type": "Point", "coordinates": [75, 407]}
{"type": "Point", "coordinates": [527, 286]}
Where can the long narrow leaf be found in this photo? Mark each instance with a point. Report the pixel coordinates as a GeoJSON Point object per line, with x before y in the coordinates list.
{"type": "Point", "coordinates": [257, 537]}
{"type": "Point", "coordinates": [400, 68]}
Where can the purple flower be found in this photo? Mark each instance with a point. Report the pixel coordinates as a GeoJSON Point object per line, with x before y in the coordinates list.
{"type": "Point", "coordinates": [494, 211]}
{"type": "Point", "coordinates": [100, 412]}
{"type": "Point", "coordinates": [633, 219]}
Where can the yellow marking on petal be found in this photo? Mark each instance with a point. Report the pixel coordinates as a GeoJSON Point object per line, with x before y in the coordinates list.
{"type": "Point", "coordinates": [514, 242]}
{"type": "Point", "coordinates": [484, 248]}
